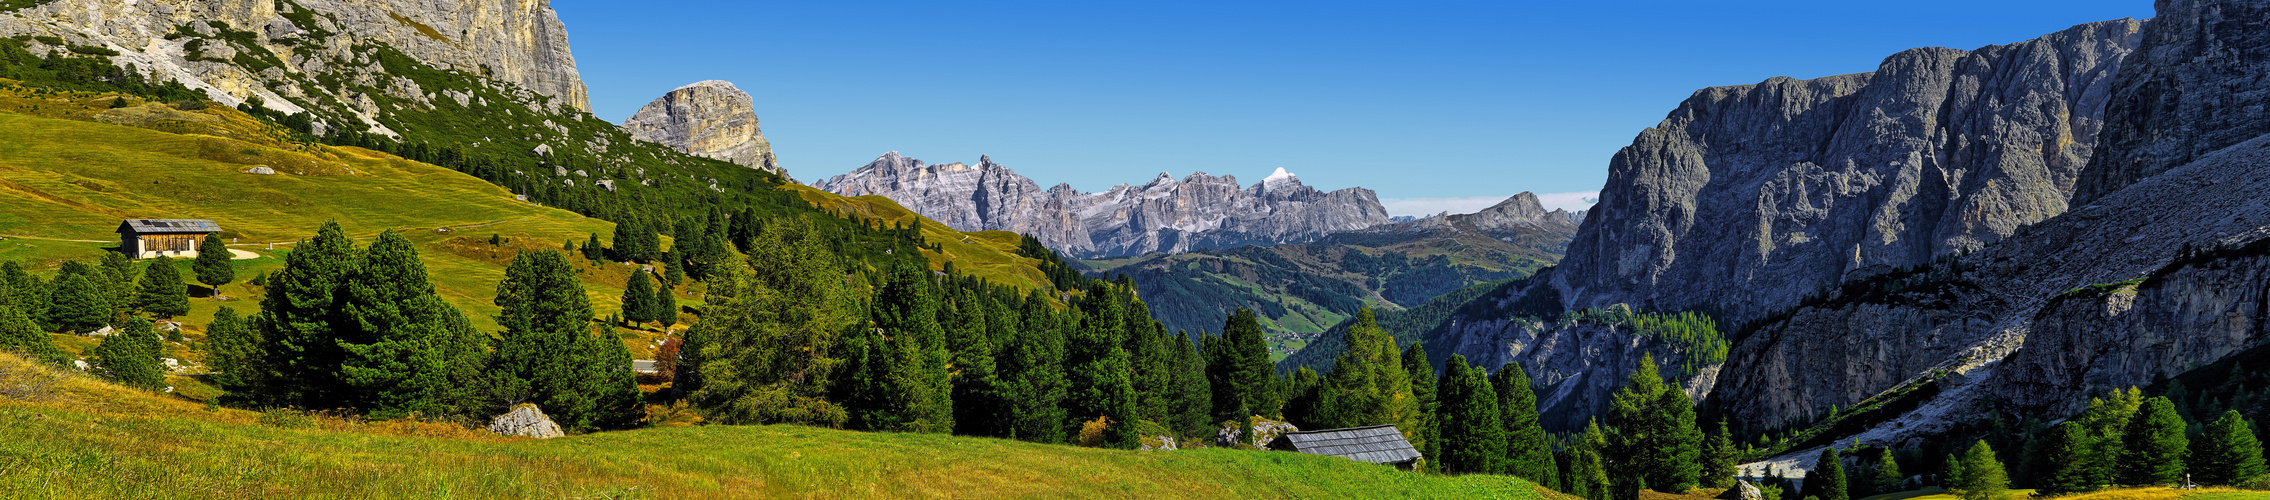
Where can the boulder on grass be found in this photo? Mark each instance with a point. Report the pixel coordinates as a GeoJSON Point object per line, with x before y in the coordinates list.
{"type": "Point", "coordinates": [525, 420]}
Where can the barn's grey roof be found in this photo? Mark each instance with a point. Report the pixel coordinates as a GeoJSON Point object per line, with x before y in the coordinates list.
{"type": "Point", "coordinates": [1379, 444]}
{"type": "Point", "coordinates": [150, 226]}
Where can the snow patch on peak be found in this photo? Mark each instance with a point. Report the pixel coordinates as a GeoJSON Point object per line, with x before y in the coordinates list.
{"type": "Point", "coordinates": [1280, 175]}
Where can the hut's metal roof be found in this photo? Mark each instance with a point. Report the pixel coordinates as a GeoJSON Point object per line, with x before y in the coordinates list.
{"type": "Point", "coordinates": [150, 226]}
{"type": "Point", "coordinates": [1379, 444]}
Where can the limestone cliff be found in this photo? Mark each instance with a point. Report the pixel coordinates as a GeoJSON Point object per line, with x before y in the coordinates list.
{"type": "Point", "coordinates": [1199, 211]}
{"type": "Point", "coordinates": [709, 118]}
{"type": "Point", "coordinates": [2198, 86]}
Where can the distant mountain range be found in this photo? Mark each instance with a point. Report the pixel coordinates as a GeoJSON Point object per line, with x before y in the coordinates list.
{"type": "Point", "coordinates": [1197, 212]}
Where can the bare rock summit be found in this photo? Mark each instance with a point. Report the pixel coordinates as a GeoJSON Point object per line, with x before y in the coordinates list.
{"type": "Point", "coordinates": [708, 118]}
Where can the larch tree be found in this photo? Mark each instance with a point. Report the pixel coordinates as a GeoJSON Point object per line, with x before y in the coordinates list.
{"type": "Point", "coordinates": [2107, 422]}
{"type": "Point", "coordinates": [1978, 475]}
{"type": "Point", "coordinates": [1192, 403]}
{"type": "Point", "coordinates": [2154, 447]}
{"type": "Point", "coordinates": [162, 293]}
{"type": "Point", "coordinates": [1656, 444]}
{"type": "Point", "coordinates": [2229, 453]}
{"type": "Point", "coordinates": [1529, 450]}
{"type": "Point", "coordinates": [1721, 462]}
{"type": "Point", "coordinates": [1368, 383]}
{"type": "Point", "coordinates": [212, 265]}
{"type": "Point", "coordinates": [1473, 429]}
{"type": "Point", "coordinates": [1887, 477]}
{"type": "Point", "coordinates": [1427, 437]}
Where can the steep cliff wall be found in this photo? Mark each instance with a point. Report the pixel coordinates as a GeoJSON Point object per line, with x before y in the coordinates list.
{"type": "Point", "coordinates": [1748, 198]}
{"type": "Point", "coordinates": [708, 118]}
{"type": "Point", "coordinates": [1199, 211]}
{"type": "Point", "coordinates": [2200, 83]}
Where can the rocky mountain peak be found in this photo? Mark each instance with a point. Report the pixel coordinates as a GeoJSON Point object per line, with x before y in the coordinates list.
{"type": "Point", "coordinates": [709, 118]}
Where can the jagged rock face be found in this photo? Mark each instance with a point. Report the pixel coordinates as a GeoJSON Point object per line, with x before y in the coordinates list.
{"type": "Point", "coordinates": [518, 41]}
{"type": "Point", "coordinates": [2202, 83]}
{"type": "Point", "coordinates": [710, 118]}
{"type": "Point", "coordinates": [1199, 211]}
{"type": "Point", "coordinates": [1521, 214]}
{"type": "Point", "coordinates": [1576, 365]}
{"type": "Point", "coordinates": [1840, 353]}
{"type": "Point", "coordinates": [1748, 198]}
{"type": "Point", "coordinates": [2085, 343]}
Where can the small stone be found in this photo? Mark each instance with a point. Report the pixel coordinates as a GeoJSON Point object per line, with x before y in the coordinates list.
{"type": "Point", "coordinates": [260, 171]}
{"type": "Point", "coordinates": [525, 420]}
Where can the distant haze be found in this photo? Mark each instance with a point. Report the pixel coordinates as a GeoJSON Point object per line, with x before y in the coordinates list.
{"type": "Point", "coordinates": [1422, 207]}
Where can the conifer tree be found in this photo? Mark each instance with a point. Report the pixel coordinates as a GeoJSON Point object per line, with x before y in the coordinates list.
{"type": "Point", "coordinates": [550, 353]}
{"type": "Point", "coordinates": [771, 352]}
{"type": "Point", "coordinates": [130, 356]}
{"type": "Point", "coordinates": [408, 351]}
{"type": "Point", "coordinates": [116, 276]}
{"type": "Point", "coordinates": [1238, 368]}
{"type": "Point", "coordinates": [1586, 475]}
{"type": "Point", "coordinates": [1473, 429]}
{"type": "Point", "coordinates": [593, 251]}
{"type": "Point", "coordinates": [1368, 383]}
{"type": "Point", "coordinates": [1033, 373]}
{"type": "Point", "coordinates": [2229, 453]}
{"type": "Point", "coordinates": [1826, 481]}
{"type": "Point", "coordinates": [26, 292]}
{"type": "Point", "coordinates": [1427, 439]}
{"type": "Point", "coordinates": [1681, 442]}
{"type": "Point", "coordinates": [1311, 400]}
{"type": "Point", "coordinates": [212, 265]}
{"type": "Point", "coordinates": [977, 409]}
{"type": "Point", "coordinates": [2065, 469]}
{"type": "Point", "coordinates": [1529, 451]}
{"type": "Point", "coordinates": [299, 321]}
{"type": "Point", "coordinates": [638, 300]}
{"type": "Point", "coordinates": [20, 335]}
{"type": "Point", "coordinates": [78, 304]}
{"type": "Point", "coordinates": [665, 306]}
{"type": "Point", "coordinates": [908, 356]}
{"type": "Point", "coordinates": [1099, 368]}
{"type": "Point", "coordinates": [2107, 422]}
{"type": "Point", "coordinates": [2154, 447]}
{"type": "Point", "coordinates": [1656, 444]}
{"type": "Point", "coordinates": [1192, 403]}
{"type": "Point", "coordinates": [1887, 478]}
{"type": "Point", "coordinates": [233, 351]}
{"type": "Point", "coordinates": [1148, 356]}
{"type": "Point", "coordinates": [162, 293]}
{"type": "Point", "coordinates": [1720, 460]}
{"type": "Point", "coordinates": [1978, 475]}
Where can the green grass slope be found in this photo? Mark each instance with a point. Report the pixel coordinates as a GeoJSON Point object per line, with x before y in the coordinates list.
{"type": "Point", "coordinates": [63, 435]}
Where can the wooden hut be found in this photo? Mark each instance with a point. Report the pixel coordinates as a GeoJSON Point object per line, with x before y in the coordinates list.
{"type": "Point", "coordinates": [152, 238]}
{"type": "Point", "coordinates": [1379, 444]}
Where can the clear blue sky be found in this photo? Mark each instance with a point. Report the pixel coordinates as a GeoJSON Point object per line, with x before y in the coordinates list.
{"type": "Point", "coordinates": [1415, 100]}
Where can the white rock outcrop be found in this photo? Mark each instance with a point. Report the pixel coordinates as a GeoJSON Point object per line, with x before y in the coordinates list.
{"type": "Point", "coordinates": [525, 420]}
{"type": "Point", "coordinates": [709, 118]}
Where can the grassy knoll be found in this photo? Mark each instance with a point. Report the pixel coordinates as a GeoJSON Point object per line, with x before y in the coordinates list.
{"type": "Point", "coordinates": [73, 437]}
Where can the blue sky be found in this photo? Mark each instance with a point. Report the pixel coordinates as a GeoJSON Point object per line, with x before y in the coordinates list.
{"type": "Point", "coordinates": [1436, 105]}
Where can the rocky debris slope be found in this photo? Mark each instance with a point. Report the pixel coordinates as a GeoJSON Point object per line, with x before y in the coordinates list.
{"type": "Point", "coordinates": [249, 48]}
{"type": "Point", "coordinates": [1199, 211]}
{"type": "Point", "coordinates": [709, 118]}
{"type": "Point", "coordinates": [1746, 199]}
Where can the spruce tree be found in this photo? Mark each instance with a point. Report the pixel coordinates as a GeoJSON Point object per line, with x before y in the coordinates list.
{"type": "Point", "coordinates": [2154, 447]}
{"type": "Point", "coordinates": [2229, 453]}
{"type": "Point", "coordinates": [130, 356]}
{"type": "Point", "coordinates": [1238, 368]}
{"type": "Point", "coordinates": [78, 304]}
{"type": "Point", "coordinates": [233, 351]}
{"type": "Point", "coordinates": [1192, 403]}
{"type": "Point", "coordinates": [1826, 481]}
{"type": "Point", "coordinates": [1099, 367]}
{"type": "Point", "coordinates": [408, 351]}
{"type": "Point", "coordinates": [1148, 358]}
{"type": "Point", "coordinates": [1033, 372]}
{"type": "Point", "coordinates": [1720, 460]}
{"type": "Point", "coordinates": [116, 276]}
{"type": "Point", "coordinates": [917, 388]}
{"type": "Point", "coordinates": [638, 299]}
{"type": "Point", "coordinates": [20, 335]}
{"type": "Point", "coordinates": [212, 265]}
{"type": "Point", "coordinates": [299, 322]}
{"type": "Point", "coordinates": [1978, 475]}
{"type": "Point", "coordinates": [551, 354]}
{"type": "Point", "coordinates": [1310, 401]}
{"type": "Point", "coordinates": [2064, 468]}
{"type": "Point", "coordinates": [1529, 451]}
{"type": "Point", "coordinates": [974, 379]}
{"type": "Point", "coordinates": [162, 293]}
{"type": "Point", "coordinates": [1887, 477]}
{"type": "Point", "coordinates": [593, 251]}
{"type": "Point", "coordinates": [1473, 429]}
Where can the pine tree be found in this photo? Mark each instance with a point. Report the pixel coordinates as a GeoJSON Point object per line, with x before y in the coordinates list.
{"type": "Point", "coordinates": [638, 299]}
{"type": "Point", "coordinates": [1529, 451]}
{"type": "Point", "coordinates": [2107, 421]}
{"type": "Point", "coordinates": [116, 276]}
{"type": "Point", "coordinates": [1193, 400]}
{"type": "Point", "coordinates": [130, 356]}
{"type": "Point", "coordinates": [974, 380]}
{"type": "Point", "coordinates": [162, 293]}
{"type": "Point", "coordinates": [233, 351]}
{"type": "Point", "coordinates": [2154, 447]}
{"type": "Point", "coordinates": [299, 321]}
{"type": "Point", "coordinates": [212, 265]}
{"type": "Point", "coordinates": [27, 293]}
{"type": "Point", "coordinates": [551, 354]}
{"type": "Point", "coordinates": [1826, 481]}
{"type": "Point", "coordinates": [78, 304]}
{"type": "Point", "coordinates": [1099, 367]}
{"type": "Point", "coordinates": [908, 356]}
{"type": "Point", "coordinates": [1428, 436]}
{"type": "Point", "coordinates": [1978, 475]}
{"type": "Point", "coordinates": [408, 351]}
{"type": "Point", "coordinates": [20, 335]}
{"type": "Point", "coordinates": [2065, 467]}
{"type": "Point", "coordinates": [1656, 444]}
{"type": "Point", "coordinates": [665, 306]}
{"type": "Point", "coordinates": [1238, 368]}
{"type": "Point", "coordinates": [1587, 473]}
{"type": "Point", "coordinates": [1368, 383]}
{"type": "Point", "coordinates": [1033, 373]}
{"type": "Point", "coordinates": [1887, 478]}
{"type": "Point", "coordinates": [1473, 429]}
{"type": "Point", "coordinates": [593, 251]}
{"type": "Point", "coordinates": [1720, 460]}
{"type": "Point", "coordinates": [2229, 453]}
